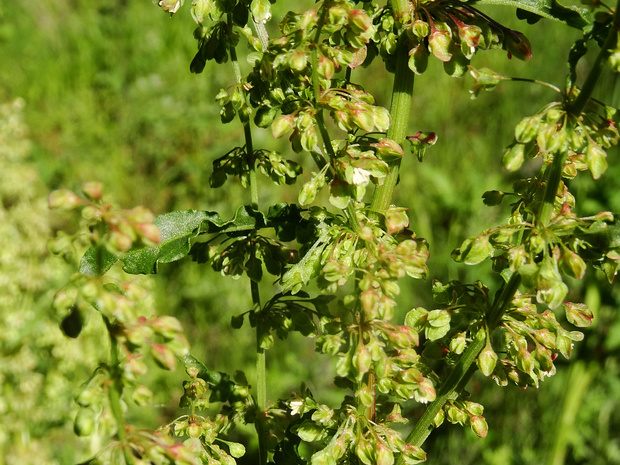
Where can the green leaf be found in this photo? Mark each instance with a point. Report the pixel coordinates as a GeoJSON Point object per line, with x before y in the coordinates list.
{"type": "Point", "coordinates": [301, 273]}
{"type": "Point", "coordinates": [474, 250]}
{"type": "Point", "coordinates": [572, 16]}
{"type": "Point", "coordinates": [97, 261]}
{"type": "Point", "coordinates": [177, 228]}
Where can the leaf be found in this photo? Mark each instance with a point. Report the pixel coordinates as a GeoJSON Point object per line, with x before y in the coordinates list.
{"type": "Point", "coordinates": [474, 250]}
{"type": "Point", "coordinates": [572, 16]}
{"type": "Point", "coordinates": [301, 273]}
{"type": "Point", "coordinates": [97, 261]}
{"type": "Point", "coordinates": [177, 228]}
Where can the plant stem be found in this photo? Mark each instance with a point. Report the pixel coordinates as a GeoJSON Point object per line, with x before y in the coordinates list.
{"type": "Point", "coordinates": [115, 391]}
{"type": "Point", "coordinates": [116, 386]}
{"type": "Point", "coordinates": [595, 73]}
{"type": "Point", "coordinates": [261, 32]}
{"type": "Point", "coordinates": [400, 109]}
{"type": "Point", "coordinates": [456, 381]}
{"type": "Point", "coordinates": [261, 365]}
{"type": "Point", "coordinates": [261, 379]}
{"type": "Point", "coordinates": [247, 131]}
{"type": "Point", "coordinates": [553, 183]}
{"type": "Point", "coordinates": [320, 119]}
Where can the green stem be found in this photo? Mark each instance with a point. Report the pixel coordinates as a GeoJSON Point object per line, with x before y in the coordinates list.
{"type": "Point", "coordinates": [502, 300]}
{"type": "Point", "coordinates": [115, 391]}
{"type": "Point", "coordinates": [320, 119]}
{"type": "Point", "coordinates": [456, 381]}
{"type": "Point", "coordinates": [595, 73]}
{"type": "Point", "coordinates": [261, 365]}
{"type": "Point", "coordinates": [261, 32]}
{"type": "Point", "coordinates": [261, 379]}
{"type": "Point", "coordinates": [251, 161]}
{"type": "Point", "coordinates": [116, 387]}
{"type": "Point", "coordinates": [247, 131]}
{"type": "Point", "coordinates": [553, 183]}
{"type": "Point", "coordinates": [399, 7]}
{"type": "Point", "coordinates": [400, 109]}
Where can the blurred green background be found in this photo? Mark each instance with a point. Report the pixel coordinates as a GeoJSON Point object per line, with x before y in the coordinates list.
{"type": "Point", "coordinates": [101, 91]}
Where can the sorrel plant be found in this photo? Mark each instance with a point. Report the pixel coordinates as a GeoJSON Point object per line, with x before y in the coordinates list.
{"type": "Point", "coordinates": [336, 267]}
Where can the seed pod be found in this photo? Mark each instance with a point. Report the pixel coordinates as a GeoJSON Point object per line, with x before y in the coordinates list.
{"type": "Point", "coordinates": [281, 125]}
{"type": "Point", "coordinates": [479, 425]}
{"type": "Point", "coordinates": [513, 157]}
{"type": "Point", "coordinates": [64, 199]}
{"type": "Point", "coordinates": [440, 42]}
{"type": "Point", "coordinates": [487, 360]}
{"type": "Point", "coordinates": [84, 424]}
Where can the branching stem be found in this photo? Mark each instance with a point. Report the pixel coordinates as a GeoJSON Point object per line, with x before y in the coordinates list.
{"type": "Point", "coordinates": [400, 110]}
{"type": "Point", "coordinates": [261, 365]}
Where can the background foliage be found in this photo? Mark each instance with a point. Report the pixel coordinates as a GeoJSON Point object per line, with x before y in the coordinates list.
{"type": "Point", "coordinates": [100, 91]}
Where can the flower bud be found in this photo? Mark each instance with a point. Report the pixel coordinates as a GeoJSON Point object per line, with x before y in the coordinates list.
{"type": "Point", "coordinates": [578, 314]}
{"type": "Point", "coordinates": [363, 358]}
{"type": "Point", "coordinates": [149, 233]}
{"type": "Point", "coordinates": [120, 241]}
{"type": "Point", "coordinates": [420, 28]}
{"type": "Point", "coordinates": [384, 454]}
{"type": "Point", "coordinates": [308, 20]}
{"type": "Point", "coordinates": [326, 67]}
{"type": "Point", "coordinates": [440, 44]}
{"type": "Point", "coordinates": [337, 15]}
{"type": "Point", "coordinates": [479, 425]}
{"type": "Point", "coordinates": [363, 118]}
{"type": "Point", "coordinates": [142, 395]}
{"type": "Point", "coordinates": [381, 118]}
{"type": "Point", "coordinates": [136, 366]}
{"type": "Point", "coordinates": [64, 199]}
{"type": "Point", "coordinates": [281, 125]}
{"type": "Point", "coordinates": [298, 60]}
{"type": "Point", "coordinates": [167, 326]}
{"type": "Point", "coordinates": [513, 157]}
{"type": "Point", "coordinates": [487, 360]}
{"type": "Point", "coordinates": [516, 44]}
{"type": "Point", "coordinates": [572, 264]}
{"type": "Point", "coordinates": [93, 190]}
{"type": "Point", "coordinates": [596, 160]}
{"type": "Point", "coordinates": [170, 6]}
{"type": "Point", "coordinates": [84, 424]}
{"type": "Point", "coordinates": [261, 10]}
{"type": "Point", "coordinates": [194, 430]}
{"type": "Point", "coordinates": [365, 451]}
{"type": "Point", "coordinates": [163, 356]}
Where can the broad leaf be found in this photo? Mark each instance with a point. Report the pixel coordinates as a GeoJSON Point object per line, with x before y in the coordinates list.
{"type": "Point", "coordinates": [177, 228]}
{"type": "Point", "coordinates": [97, 261]}
{"type": "Point", "coordinates": [578, 18]}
